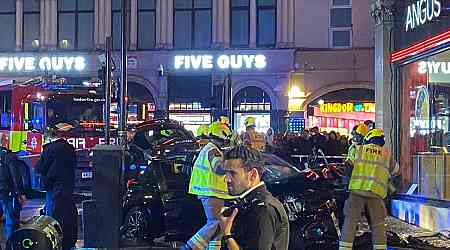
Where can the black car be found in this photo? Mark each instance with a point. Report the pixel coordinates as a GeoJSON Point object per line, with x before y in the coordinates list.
{"type": "Point", "coordinates": [157, 204]}
{"type": "Point", "coordinates": [162, 153]}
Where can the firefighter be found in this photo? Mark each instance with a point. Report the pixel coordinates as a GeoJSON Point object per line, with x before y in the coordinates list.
{"type": "Point", "coordinates": [252, 138]}
{"type": "Point", "coordinates": [12, 190]}
{"type": "Point", "coordinates": [208, 183]}
{"type": "Point", "coordinates": [368, 187]}
{"type": "Point", "coordinates": [358, 134]}
{"type": "Point", "coordinates": [57, 169]}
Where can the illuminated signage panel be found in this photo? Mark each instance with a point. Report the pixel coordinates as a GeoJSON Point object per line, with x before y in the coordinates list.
{"type": "Point", "coordinates": [221, 62]}
{"type": "Point", "coordinates": [44, 63]}
{"type": "Point", "coordinates": [347, 107]}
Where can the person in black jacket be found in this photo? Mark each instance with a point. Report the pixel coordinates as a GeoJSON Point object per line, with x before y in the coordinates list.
{"type": "Point", "coordinates": [12, 191]}
{"type": "Point", "coordinates": [259, 221]}
{"type": "Point", "coordinates": [57, 169]}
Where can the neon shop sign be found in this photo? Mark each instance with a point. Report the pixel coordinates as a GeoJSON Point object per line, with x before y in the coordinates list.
{"type": "Point", "coordinates": [221, 62]}
{"type": "Point", "coordinates": [422, 11]}
{"type": "Point", "coordinates": [347, 107]}
{"type": "Point", "coordinates": [44, 63]}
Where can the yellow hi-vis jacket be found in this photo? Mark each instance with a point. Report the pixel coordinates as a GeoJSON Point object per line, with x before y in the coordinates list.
{"type": "Point", "coordinates": [208, 177]}
{"type": "Point", "coordinates": [370, 170]}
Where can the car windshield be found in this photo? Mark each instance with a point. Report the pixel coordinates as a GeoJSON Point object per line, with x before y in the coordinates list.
{"type": "Point", "coordinates": [147, 139]}
{"type": "Point", "coordinates": [277, 169]}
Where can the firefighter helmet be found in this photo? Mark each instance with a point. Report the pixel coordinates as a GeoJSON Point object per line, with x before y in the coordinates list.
{"type": "Point", "coordinates": [219, 130]}
{"type": "Point", "coordinates": [250, 121]}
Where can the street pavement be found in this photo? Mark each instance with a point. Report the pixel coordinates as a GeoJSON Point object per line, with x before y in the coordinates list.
{"type": "Point", "coordinates": [33, 207]}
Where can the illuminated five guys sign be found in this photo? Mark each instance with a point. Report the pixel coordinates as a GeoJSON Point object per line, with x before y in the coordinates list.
{"type": "Point", "coordinates": [221, 62]}
{"type": "Point", "coordinates": [44, 63]}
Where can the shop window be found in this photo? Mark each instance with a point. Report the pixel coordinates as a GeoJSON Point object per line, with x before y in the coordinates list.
{"type": "Point", "coordinates": [251, 99]}
{"type": "Point", "coordinates": [117, 23]}
{"type": "Point", "coordinates": [31, 24]}
{"type": "Point", "coordinates": [192, 24]}
{"type": "Point", "coordinates": [266, 23]}
{"type": "Point", "coordinates": [146, 24]}
{"type": "Point", "coordinates": [240, 23]}
{"type": "Point", "coordinates": [76, 24]}
{"type": "Point", "coordinates": [341, 23]}
{"type": "Point", "coordinates": [8, 25]}
{"type": "Point", "coordinates": [426, 125]}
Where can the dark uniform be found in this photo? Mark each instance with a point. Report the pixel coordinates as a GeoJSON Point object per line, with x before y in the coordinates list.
{"type": "Point", "coordinates": [264, 225]}
{"type": "Point", "coordinates": [57, 169]}
{"type": "Point", "coordinates": [11, 188]}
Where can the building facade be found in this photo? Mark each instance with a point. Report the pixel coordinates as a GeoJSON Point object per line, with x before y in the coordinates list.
{"type": "Point", "coordinates": [184, 54]}
{"type": "Point", "coordinates": [416, 83]}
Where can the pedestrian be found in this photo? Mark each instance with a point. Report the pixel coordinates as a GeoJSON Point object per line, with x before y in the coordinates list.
{"type": "Point", "coordinates": [57, 169]}
{"type": "Point", "coordinates": [369, 182]}
{"type": "Point", "coordinates": [12, 190]}
{"type": "Point", "coordinates": [259, 221]}
{"type": "Point", "coordinates": [208, 183]}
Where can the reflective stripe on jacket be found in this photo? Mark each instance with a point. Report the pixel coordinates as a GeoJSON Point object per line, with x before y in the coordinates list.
{"type": "Point", "coordinates": [371, 170]}
{"type": "Point", "coordinates": [208, 177]}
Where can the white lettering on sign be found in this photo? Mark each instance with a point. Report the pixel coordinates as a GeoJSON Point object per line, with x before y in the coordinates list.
{"type": "Point", "coordinates": [422, 11]}
{"type": "Point", "coordinates": [222, 62]}
{"type": "Point", "coordinates": [78, 143]}
{"type": "Point", "coordinates": [433, 67]}
{"type": "Point", "coordinates": [45, 63]}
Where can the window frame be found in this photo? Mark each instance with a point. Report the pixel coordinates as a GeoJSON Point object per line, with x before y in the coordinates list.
{"type": "Point", "coordinates": [137, 24]}
{"type": "Point", "coordinates": [76, 12]}
{"type": "Point", "coordinates": [333, 29]}
{"type": "Point", "coordinates": [14, 13]}
{"type": "Point", "coordinates": [239, 8]}
{"type": "Point", "coordinates": [23, 27]}
{"type": "Point", "coordinates": [129, 25]}
{"type": "Point", "coordinates": [265, 7]}
{"type": "Point", "coordinates": [192, 11]}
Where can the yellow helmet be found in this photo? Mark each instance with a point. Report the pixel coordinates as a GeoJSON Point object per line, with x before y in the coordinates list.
{"type": "Point", "coordinates": [373, 133]}
{"type": "Point", "coordinates": [219, 130]}
{"type": "Point", "coordinates": [202, 130]}
{"type": "Point", "coordinates": [224, 120]}
{"type": "Point", "coordinates": [361, 129]}
{"type": "Point", "coordinates": [250, 121]}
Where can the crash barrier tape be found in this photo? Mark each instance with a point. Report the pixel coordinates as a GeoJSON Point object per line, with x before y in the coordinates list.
{"type": "Point", "coordinates": [40, 233]}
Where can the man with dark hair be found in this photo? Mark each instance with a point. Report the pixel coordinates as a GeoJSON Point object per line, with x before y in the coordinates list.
{"type": "Point", "coordinates": [260, 222]}
{"type": "Point", "coordinates": [57, 169]}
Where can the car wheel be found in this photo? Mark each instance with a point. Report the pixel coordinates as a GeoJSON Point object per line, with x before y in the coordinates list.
{"type": "Point", "coordinates": [136, 227]}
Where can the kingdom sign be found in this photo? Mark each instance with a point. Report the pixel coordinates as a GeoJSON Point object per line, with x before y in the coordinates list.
{"type": "Point", "coordinates": [347, 107]}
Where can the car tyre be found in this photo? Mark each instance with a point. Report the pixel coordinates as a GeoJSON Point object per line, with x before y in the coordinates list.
{"type": "Point", "coordinates": [136, 227]}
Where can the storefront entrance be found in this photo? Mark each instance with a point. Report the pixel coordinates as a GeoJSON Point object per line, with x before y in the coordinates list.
{"type": "Point", "coordinates": [255, 102]}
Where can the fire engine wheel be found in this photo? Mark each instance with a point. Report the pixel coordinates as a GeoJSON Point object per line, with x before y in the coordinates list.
{"type": "Point", "coordinates": [137, 225]}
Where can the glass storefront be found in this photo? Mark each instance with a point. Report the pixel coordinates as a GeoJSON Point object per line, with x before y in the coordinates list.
{"type": "Point", "coordinates": [425, 127]}
{"type": "Point", "coordinates": [255, 102]}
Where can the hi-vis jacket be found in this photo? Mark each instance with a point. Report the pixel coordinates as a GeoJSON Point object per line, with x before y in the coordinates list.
{"type": "Point", "coordinates": [208, 177]}
{"type": "Point", "coordinates": [371, 170]}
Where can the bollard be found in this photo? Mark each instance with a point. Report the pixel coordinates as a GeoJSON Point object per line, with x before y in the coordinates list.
{"type": "Point", "coordinates": [40, 233]}
{"type": "Point", "coordinates": [107, 166]}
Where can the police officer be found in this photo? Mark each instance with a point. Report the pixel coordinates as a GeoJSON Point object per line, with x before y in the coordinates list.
{"type": "Point", "coordinates": [208, 183]}
{"type": "Point", "coordinates": [260, 222]}
{"type": "Point", "coordinates": [12, 192]}
{"type": "Point", "coordinates": [57, 169]}
{"type": "Point", "coordinates": [368, 187]}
